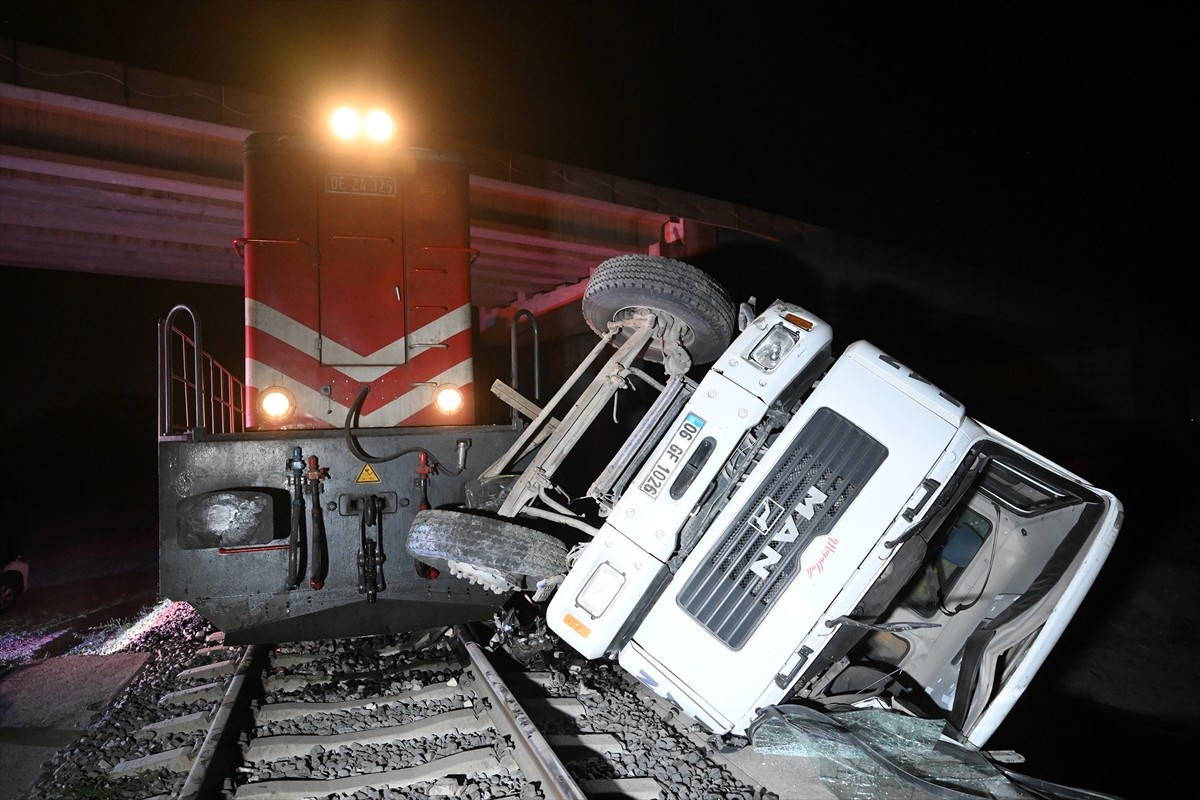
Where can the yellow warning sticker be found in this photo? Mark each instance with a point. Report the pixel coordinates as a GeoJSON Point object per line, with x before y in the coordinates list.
{"type": "Point", "coordinates": [367, 475]}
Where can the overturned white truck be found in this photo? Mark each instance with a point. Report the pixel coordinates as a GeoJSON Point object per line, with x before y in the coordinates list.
{"type": "Point", "coordinates": [790, 527]}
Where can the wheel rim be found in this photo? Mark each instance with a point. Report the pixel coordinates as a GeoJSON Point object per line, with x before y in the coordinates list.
{"type": "Point", "coordinates": [686, 335]}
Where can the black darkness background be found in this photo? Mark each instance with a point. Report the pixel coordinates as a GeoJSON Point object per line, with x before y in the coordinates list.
{"type": "Point", "coordinates": [1050, 145]}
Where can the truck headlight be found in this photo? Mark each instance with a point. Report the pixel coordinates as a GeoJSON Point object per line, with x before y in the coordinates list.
{"type": "Point", "coordinates": [600, 589]}
{"type": "Point", "coordinates": [773, 348]}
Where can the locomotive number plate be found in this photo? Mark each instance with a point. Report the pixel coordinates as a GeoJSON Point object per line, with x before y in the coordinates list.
{"type": "Point", "coordinates": [351, 183]}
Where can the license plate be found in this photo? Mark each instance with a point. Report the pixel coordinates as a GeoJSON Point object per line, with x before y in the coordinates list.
{"type": "Point", "coordinates": [656, 480]}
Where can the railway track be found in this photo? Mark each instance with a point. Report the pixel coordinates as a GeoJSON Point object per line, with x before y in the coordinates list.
{"type": "Point", "coordinates": [422, 715]}
{"type": "Point", "coordinates": [384, 717]}
{"type": "Point", "coordinates": [430, 714]}
{"type": "Point", "coordinates": [436, 717]}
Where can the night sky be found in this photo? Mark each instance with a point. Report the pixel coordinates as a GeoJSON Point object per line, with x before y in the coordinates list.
{"type": "Point", "coordinates": [1050, 145]}
{"type": "Point", "coordinates": [1052, 142]}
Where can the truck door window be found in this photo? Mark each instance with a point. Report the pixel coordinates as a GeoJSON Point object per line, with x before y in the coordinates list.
{"type": "Point", "coordinates": [1020, 491]}
{"type": "Point", "coordinates": [950, 554]}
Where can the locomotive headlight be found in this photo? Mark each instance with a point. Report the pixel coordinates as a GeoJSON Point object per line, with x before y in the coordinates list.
{"type": "Point", "coordinates": [349, 125]}
{"type": "Point", "coordinates": [448, 398]}
{"type": "Point", "coordinates": [600, 590]}
{"type": "Point", "coordinates": [276, 404]}
{"type": "Point", "coordinates": [380, 127]}
{"type": "Point", "coordinates": [346, 123]}
{"type": "Point", "coordinates": [773, 348]}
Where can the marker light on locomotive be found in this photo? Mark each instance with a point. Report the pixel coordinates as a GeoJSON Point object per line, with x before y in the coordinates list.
{"type": "Point", "coordinates": [276, 404]}
{"type": "Point", "coordinates": [448, 398]}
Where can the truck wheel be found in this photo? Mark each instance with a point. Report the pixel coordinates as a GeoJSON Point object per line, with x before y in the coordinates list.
{"type": "Point", "coordinates": [500, 555]}
{"type": "Point", "coordinates": [623, 284]}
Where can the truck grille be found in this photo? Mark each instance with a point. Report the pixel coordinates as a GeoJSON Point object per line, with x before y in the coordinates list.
{"type": "Point", "coordinates": [758, 556]}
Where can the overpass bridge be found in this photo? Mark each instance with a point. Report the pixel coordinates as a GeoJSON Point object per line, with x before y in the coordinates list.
{"type": "Point", "coordinates": [114, 169]}
{"type": "Point", "coordinates": [110, 168]}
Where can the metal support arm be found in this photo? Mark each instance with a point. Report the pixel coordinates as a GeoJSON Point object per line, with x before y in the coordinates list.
{"type": "Point", "coordinates": [537, 476]}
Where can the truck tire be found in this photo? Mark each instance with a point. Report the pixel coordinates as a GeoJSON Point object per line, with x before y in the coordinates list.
{"type": "Point", "coordinates": [625, 283]}
{"type": "Point", "coordinates": [495, 553]}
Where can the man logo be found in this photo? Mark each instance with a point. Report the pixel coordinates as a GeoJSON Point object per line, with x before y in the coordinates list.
{"type": "Point", "coordinates": [765, 518]}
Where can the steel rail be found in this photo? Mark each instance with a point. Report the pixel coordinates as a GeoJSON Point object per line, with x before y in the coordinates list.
{"type": "Point", "coordinates": [209, 765]}
{"type": "Point", "coordinates": [533, 753]}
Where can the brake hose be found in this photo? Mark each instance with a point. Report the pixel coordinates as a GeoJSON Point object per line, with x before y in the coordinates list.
{"type": "Point", "coordinates": [296, 542]}
{"type": "Point", "coordinates": [320, 543]}
{"type": "Point", "coordinates": [362, 455]}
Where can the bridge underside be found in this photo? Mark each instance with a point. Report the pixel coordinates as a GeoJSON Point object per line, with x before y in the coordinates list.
{"type": "Point", "coordinates": [112, 169]}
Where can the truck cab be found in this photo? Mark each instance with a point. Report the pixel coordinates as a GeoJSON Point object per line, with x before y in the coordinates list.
{"type": "Point", "coordinates": [798, 527]}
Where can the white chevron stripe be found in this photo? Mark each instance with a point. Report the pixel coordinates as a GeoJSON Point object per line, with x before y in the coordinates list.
{"type": "Point", "coordinates": [393, 413]}
{"type": "Point", "coordinates": [411, 402]}
{"type": "Point", "coordinates": [306, 340]}
{"type": "Point", "coordinates": [364, 374]}
{"type": "Point", "coordinates": [282, 327]}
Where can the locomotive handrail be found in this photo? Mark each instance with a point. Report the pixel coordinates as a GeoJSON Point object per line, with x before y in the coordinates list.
{"type": "Point", "coordinates": [387, 239]}
{"type": "Point", "coordinates": [239, 244]}
{"type": "Point", "coordinates": [166, 376]}
{"type": "Point", "coordinates": [537, 358]}
{"type": "Point", "coordinates": [212, 396]}
{"type": "Point", "coordinates": [472, 252]}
